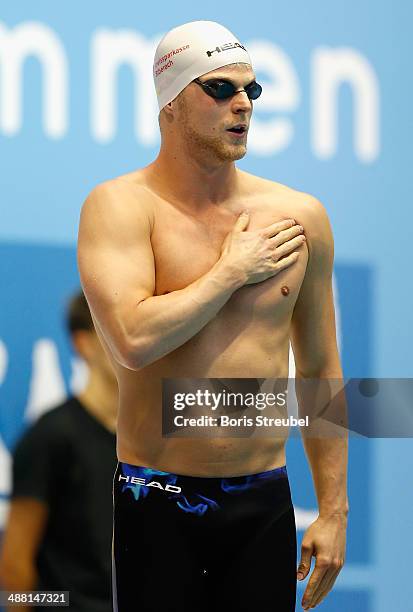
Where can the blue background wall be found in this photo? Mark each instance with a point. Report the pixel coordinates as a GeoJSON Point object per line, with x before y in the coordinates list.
{"type": "Point", "coordinates": [350, 148]}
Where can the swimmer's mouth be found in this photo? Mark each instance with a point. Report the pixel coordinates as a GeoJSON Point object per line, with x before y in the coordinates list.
{"type": "Point", "coordinates": [238, 129]}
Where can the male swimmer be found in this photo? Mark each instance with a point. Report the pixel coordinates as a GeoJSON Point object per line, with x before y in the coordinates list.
{"type": "Point", "coordinates": [195, 269]}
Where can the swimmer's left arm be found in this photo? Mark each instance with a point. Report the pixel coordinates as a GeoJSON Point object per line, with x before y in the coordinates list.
{"type": "Point", "coordinates": [313, 332]}
{"type": "Point", "coordinates": [313, 338]}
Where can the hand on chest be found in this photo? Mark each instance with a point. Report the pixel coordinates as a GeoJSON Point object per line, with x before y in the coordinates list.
{"type": "Point", "coordinates": [186, 247]}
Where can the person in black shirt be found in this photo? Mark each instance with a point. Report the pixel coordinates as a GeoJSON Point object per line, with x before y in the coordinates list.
{"type": "Point", "coordinates": [59, 530]}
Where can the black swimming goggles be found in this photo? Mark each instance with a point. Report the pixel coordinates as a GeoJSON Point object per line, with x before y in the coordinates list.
{"type": "Point", "coordinates": [221, 89]}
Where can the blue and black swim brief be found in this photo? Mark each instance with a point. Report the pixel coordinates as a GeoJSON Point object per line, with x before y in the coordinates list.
{"type": "Point", "coordinates": [200, 544]}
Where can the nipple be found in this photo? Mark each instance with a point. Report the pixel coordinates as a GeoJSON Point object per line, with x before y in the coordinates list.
{"type": "Point", "coordinates": [285, 290]}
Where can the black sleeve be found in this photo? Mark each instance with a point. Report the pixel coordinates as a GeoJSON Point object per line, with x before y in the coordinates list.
{"type": "Point", "coordinates": [37, 460]}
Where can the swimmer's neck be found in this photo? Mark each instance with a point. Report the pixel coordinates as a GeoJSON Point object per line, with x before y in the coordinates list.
{"type": "Point", "coordinates": [196, 182]}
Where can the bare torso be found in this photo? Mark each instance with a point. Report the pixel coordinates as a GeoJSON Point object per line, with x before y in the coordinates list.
{"type": "Point", "coordinates": [248, 338]}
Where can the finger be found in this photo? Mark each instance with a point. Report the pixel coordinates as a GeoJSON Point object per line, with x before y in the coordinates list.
{"type": "Point", "coordinates": [312, 585]}
{"type": "Point", "coordinates": [322, 588]}
{"type": "Point", "coordinates": [326, 587]}
{"type": "Point", "coordinates": [274, 228]}
{"type": "Point", "coordinates": [285, 235]}
{"type": "Point", "coordinates": [242, 222]}
{"type": "Point", "coordinates": [306, 550]}
{"type": "Point", "coordinates": [289, 246]}
{"type": "Point", "coordinates": [280, 265]}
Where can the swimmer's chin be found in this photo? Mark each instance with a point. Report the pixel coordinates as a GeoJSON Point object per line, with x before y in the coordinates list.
{"type": "Point", "coordinates": [242, 153]}
{"type": "Point", "coordinates": [235, 153]}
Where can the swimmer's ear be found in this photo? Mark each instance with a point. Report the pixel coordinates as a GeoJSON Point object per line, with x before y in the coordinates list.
{"type": "Point", "coordinates": [168, 111]}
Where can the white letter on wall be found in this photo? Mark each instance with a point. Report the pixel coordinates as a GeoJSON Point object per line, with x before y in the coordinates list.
{"type": "Point", "coordinates": [35, 39]}
{"type": "Point", "coordinates": [281, 93]}
{"type": "Point", "coordinates": [109, 50]}
{"type": "Point", "coordinates": [330, 69]}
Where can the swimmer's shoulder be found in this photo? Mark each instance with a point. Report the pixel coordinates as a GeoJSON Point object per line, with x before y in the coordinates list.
{"type": "Point", "coordinates": [272, 188]}
{"type": "Point", "coordinates": [303, 206]}
{"type": "Point", "coordinates": [125, 195]}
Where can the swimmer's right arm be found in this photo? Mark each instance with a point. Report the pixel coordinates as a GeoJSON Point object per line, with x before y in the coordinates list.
{"type": "Point", "coordinates": [117, 271]}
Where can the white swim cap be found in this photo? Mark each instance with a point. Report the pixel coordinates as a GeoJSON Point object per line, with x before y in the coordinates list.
{"type": "Point", "coordinates": [191, 50]}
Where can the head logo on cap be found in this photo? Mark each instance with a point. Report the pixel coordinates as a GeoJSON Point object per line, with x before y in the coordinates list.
{"type": "Point", "coordinates": [225, 47]}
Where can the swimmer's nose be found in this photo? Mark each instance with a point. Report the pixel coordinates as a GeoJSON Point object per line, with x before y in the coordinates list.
{"type": "Point", "coordinates": [241, 100]}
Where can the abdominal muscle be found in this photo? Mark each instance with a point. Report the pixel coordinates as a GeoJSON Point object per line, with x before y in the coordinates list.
{"type": "Point", "coordinates": [139, 431]}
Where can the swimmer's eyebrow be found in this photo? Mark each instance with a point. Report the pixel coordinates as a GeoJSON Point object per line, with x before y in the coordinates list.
{"type": "Point", "coordinates": [229, 78]}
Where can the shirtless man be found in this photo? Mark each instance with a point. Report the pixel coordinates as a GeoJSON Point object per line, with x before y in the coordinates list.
{"type": "Point", "coordinates": [195, 269]}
